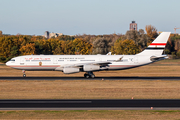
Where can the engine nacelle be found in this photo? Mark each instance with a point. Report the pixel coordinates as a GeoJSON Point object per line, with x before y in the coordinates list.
{"type": "Point", "coordinates": [91, 67]}
{"type": "Point", "coordinates": [70, 70]}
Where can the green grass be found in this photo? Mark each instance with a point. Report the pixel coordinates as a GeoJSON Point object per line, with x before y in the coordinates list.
{"type": "Point", "coordinates": [92, 114]}
{"type": "Point", "coordinates": [169, 60]}
{"type": "Point", "coordinates": [49, 111]}
{"type": "Point", "coordinates": [166, 111]}
{"type": "Point", "coordinates": [11, 111]}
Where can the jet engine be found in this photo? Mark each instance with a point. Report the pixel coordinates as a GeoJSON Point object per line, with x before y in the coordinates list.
{"type": "Point", "coordinates": [70, 70]}
{"type": "Point", "coordinates": [91, 67]}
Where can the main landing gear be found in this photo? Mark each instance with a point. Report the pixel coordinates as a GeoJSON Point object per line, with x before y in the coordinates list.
{"type": "Point", "coordinates": [89, 75]}
{"type": "Point", "coordinates": [24, 75]}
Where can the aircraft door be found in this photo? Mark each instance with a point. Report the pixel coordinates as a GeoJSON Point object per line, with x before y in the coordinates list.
{"type": "Point", "coordinates": [22, 61]}
{"type": "Point", "coordinates": [55, 61]}
{"type": "Point", "coordinates": [135, 59]}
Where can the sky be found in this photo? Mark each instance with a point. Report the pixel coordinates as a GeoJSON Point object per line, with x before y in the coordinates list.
{"type": "Point", "coordinates": [95, 17]}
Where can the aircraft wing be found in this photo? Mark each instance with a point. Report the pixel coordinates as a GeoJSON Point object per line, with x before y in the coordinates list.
{"type": "Point", "coordinates": [101, 63]}
{"type": "Point", "coordinates": [104, 63]}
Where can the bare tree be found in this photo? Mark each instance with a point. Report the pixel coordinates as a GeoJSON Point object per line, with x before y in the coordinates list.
{"type": "Point", "coordinates": [139, 38]}
{"type": "Point", "coordinates": [102, 45]}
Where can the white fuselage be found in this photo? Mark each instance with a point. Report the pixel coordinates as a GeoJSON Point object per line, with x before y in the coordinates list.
{"type": "Point", "coordinates": [58, 62]}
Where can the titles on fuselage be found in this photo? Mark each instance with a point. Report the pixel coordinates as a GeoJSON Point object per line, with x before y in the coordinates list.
{"type": "Point", "coordinates": [49, 58]}
{"type": "Point", "coordinates": [71, 58]}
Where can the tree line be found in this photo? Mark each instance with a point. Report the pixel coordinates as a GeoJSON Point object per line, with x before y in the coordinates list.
{"type": "Point", "coordinates": [131, 43]}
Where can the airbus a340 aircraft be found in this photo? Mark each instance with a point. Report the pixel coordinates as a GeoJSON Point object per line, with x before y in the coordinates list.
{"type": "Point", "coordinates": [91, 63]}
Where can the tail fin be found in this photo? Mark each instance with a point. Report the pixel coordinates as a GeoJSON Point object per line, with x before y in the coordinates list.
{"type": "Point", "coordinates": [157, 46]}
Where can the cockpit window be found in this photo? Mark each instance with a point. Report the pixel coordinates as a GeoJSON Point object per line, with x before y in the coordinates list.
{"type": "Point", "coordinates": [12, 60]}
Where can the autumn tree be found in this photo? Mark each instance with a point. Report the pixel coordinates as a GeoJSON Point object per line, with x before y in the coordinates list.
{"type": "Point", "coordinates": [35, 38]}
{"type": "Point", "coordinates": [59, 50]}
{"type": "Point", "coordinates": [139, 38]}
{"type": "Point", "coordinates": [42, 47]}
{"type": "Point", "coordinates": [82, 47]}
{"type": "Point", "coordinates": [65, 48]}
{"type": "Point", "coordinates": [23, 39]}
{"type": "Point", "coordinates": [54, 43]}
{"type": "Point", "coordinates": [125, 47]}
{"type": "Point", "coordinates": [0, 32]}
{"type": "Point", "coordinates": [132, 35]}
{"type": "Point", "coordinates": [28, 49]}
{"type": "Point", "coordinates": [178, 54]}
{"type": "Point", "coordinates": [151, 32]}
{"type": "Point", "coordinates": [6, 43]}
{"type": "Point", "coordinates": [65, 37]}
{"type": "Point", "coordinates": [68, 47]}
{"type": "Point", "coordinates": [14, 52]}
{"type": "Point", "coordinates": [173, 44]}
{"type": "Point", "coordinates": [177, 45]}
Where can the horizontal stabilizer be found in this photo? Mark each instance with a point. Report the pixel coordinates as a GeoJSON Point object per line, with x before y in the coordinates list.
{"type": "Point", "coordinates": [155, 58]}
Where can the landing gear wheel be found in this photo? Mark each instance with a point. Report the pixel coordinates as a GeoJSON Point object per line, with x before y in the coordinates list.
{"type": "Point", "coordinates": [24, 75]}
{"type": "Point", "coordinates": [23, 71]}
{"type": "Point", "coordinates": [87, 76]}
{"type": "Point", "coordinates": [92, 76]}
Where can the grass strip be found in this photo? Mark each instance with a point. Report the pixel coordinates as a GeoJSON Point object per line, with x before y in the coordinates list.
{"type": "Point", "coordinates": [92, 114]}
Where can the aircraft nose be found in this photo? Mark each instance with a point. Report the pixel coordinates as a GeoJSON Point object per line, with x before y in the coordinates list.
{"type": "Point", "coordinates": [7, 63]}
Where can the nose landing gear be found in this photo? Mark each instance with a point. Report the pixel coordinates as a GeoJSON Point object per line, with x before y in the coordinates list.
{"type": "Point", "coordinates": [24, 75]}
{"type": "Point", "coordinates": [89, 75]}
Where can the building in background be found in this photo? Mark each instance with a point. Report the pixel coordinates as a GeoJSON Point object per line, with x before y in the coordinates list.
{"type": "Point", "coordinates": [133, 26]}
{"type": "Point", "coordinates": [54, 35]}
{"type": "Point", "coordinates": [48, 35]}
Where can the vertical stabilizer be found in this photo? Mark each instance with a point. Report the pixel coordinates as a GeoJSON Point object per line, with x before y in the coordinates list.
{"type": "Point", "coordinates": [157, 46]}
